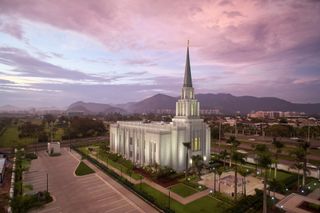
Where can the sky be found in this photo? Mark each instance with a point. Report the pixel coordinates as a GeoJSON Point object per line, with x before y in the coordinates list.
{"type": "Point", "coordinates": [54, 53]}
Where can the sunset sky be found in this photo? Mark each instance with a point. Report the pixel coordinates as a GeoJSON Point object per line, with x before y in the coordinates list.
{"type": "Point", "coordinates": [53, 53]}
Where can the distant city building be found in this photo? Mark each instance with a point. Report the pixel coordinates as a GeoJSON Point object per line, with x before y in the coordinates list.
{"type": "Point", "coordinates": [275, 114]}
{"type": "Point", "coordinates": [230, 121]}
{"type": "Point", "coordinates": [2, 169]}
{"type": "Point", "coordinates": [210, 112]}
{"type": "Point", "coordinates": [75, 113]}
{"type": "Point", "coordinates": [148, 143]}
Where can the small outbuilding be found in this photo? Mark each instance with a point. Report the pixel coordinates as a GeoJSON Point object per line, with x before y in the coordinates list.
{"type": "Point", "coordinates": [54, 148]}
{"type": "Point", "coordinates": [2, 168]}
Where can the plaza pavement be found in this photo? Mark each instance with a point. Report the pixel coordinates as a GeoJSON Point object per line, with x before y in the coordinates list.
{"type": "Point", "coordinates": [82, 194]}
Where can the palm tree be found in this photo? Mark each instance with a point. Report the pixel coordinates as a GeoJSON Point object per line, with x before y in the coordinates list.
{"type": "Point", "coordinates": [197, 162]}
{"type": "Point", "coordinates": [223, 155]}
{"type": "Point", "coordinates": [298, 166]}
{"type": "Point", "coordinates": [219, 172]}
{"type": "Point", "coordinates": [278, 146]}
{"type": "Point", "coordinates": [237, 158]}
{"type": "Point", "coordinates": [244, 172]}
{"type": "Point", "coordinates": [264, 162]}
{"type": "Point", "coordinates": [234, 145]}
{"type": "Point", "coordinates": [300, 154]}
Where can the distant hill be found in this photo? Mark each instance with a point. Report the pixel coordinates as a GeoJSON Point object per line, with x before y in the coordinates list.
{"type": "Point", "coordinates": [93, 108]}
{"type": "Point", "coordinates": [226, 103]}
{"type": "Point", "coordinates": [9, 108]}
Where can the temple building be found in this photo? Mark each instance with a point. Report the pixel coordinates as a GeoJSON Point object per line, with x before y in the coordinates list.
{"type": "Point", "coordinates": [166, 144]}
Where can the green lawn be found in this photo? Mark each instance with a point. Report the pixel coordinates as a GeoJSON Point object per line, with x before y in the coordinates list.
{"type": "Point", "coordinates": [281, 175]}
{"type": "Point", "coordinates": [313, 185]}
{"type": "Point", "coordinates": [204, 204]}
{"type": "Point", "coordinates": [10, 138]}
{"type": "Point", "coordinates": [83, 169]}
{"type": "Point", "coordinates": [183, 190]}
{"type": "Point", "coordinates": [103, 156]}
{"type": "Point", "coordinates": [58, 134]}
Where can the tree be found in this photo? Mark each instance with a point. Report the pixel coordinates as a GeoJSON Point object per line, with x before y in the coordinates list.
{"type": "Point", "coordinates": [244, 172]}
{"type": "Point", "coordinates": [264, 162]}
{"type": "Point", "coordinates": [234, 145]}
{"type": "Point", "coordinates": [219, 172]}
{"type": "Point", "coordinates": [223, 155]}
{"type": "Point", "coordinates": [214, 167]}
{"type": "Point", "coordinates": [198, 164]}
{"type": "Point", "coordinates": [237, 157]}
{"type": "Point", "coordinates": [278, 146]}
{"type": "Point", "coordinates": [298, 166]}
{"type": "Point", "coordinates": [300, 154]}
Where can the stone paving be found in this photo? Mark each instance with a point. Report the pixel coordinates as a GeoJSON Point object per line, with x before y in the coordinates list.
{"type": "Point", "coordinates": [90, 193]}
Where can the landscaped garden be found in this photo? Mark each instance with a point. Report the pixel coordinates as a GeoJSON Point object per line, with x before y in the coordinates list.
{"type": "Point", "coordinates": [113, 160]}
{"type": "Point", "coordinates": [204, 204]}
{"type": "Point", "coordinates": [21, 201]}
{"type": "Point", "coordinates": [183, 190]}
{"type": "Point", "coordinates": [83, 169]}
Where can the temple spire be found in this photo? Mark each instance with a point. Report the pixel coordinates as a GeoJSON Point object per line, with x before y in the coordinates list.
{"type": "Point", "coordinates": [187, 73]}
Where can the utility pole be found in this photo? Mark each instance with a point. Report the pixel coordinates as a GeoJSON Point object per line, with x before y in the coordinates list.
{"type": "Point", "coordinates": [169, 198]}
{"type": "Point", "coordinates": [47, 183]}
{"type": "Point", "coordinates": [219, 136]}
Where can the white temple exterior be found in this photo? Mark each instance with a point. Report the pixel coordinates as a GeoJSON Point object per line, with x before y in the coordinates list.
{"type": "Point", "coordinates": [162, 143]}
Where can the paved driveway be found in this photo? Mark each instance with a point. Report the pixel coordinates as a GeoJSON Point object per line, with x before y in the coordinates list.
{"type": "Point", "coordinates": [90, 193]}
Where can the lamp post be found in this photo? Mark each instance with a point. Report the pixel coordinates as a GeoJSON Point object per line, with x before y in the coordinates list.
{"type": "Point", "coordinates": [214, 179]}
{"type": "Point", "coordinates": [169, 198]}
{"type": "Point", "coordinates": [47, 183]}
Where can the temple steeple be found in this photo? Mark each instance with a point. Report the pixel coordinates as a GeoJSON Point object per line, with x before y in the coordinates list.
{"type": "Point", "coordinates": [187, 72]}
{"type": "Point", "coordinates": [187, 106]}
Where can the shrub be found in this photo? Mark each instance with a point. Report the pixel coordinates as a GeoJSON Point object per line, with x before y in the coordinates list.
{"type": "Point", "coordinates": [31, 156]}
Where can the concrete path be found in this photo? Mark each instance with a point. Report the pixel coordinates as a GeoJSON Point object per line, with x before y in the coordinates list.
{"type": "Point", "coordinates": [89, 193]}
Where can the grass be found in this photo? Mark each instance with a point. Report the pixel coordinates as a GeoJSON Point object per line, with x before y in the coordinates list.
{"type": "Point", "coordinates": [281, 175]}
{"type": "Point", "coordinates": [204, 204]}
{"type": "Point", "coordinates": [83, 169]}
{"type": "Point", "coordinates": [10, 138]}
{"type": "Point", "coordinates": [313, 185]}
{"type": "Point", "coordinates": [103, 156]}
{"type": "Point", "coordinates": [183, 190]}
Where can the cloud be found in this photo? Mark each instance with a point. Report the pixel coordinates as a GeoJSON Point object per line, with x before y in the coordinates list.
{"type": "Point", "coordinates": [240, 42]}
{"type": "Point", "coordinates": [232, 14]}
{"type": "Point", "coordinates": [12, 28]}
{"type": "Point", "coordinates": [140, 61]}
{"type": "Point", "coordinates": [27, 65]}
{"type": "Point", "coordinates": [4, 82]}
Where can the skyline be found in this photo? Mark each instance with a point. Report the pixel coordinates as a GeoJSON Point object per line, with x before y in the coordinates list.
{"type": "Point", "coordinates": [116, 51]}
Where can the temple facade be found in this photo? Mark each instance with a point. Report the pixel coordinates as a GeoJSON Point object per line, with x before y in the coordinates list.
{"type": "Point", "coordinates": [165, 143]}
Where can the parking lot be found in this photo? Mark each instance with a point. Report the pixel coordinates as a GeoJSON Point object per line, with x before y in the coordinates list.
{"type": "Point", "coordinates": [90, 193]}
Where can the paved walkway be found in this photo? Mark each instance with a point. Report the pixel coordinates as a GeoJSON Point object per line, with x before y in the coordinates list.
{"type": "Point", "coordinates": [164, 190]}
{"type": "Point", "coordinates": [89, 193]}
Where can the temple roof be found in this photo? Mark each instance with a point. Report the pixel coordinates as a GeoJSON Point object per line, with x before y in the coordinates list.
{"type": "Point", "coordinates": [187, 73]}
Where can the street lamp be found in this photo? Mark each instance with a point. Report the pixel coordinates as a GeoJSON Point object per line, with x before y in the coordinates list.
{"type": "Point", "coordinates": [169, 197]}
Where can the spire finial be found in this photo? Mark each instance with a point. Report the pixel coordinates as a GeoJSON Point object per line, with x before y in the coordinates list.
{"type": "Point", "coordinates": [188, 43]}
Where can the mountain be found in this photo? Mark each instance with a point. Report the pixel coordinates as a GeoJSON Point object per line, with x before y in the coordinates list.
{"type": "Point", "coordinates": [9, 108]}
{"type": "Point", "coordinates": [226, 103]}
{"type": "Point", "coordinates": [93, 108]}
{"type": "Point", "coordinates": [152, 104]}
